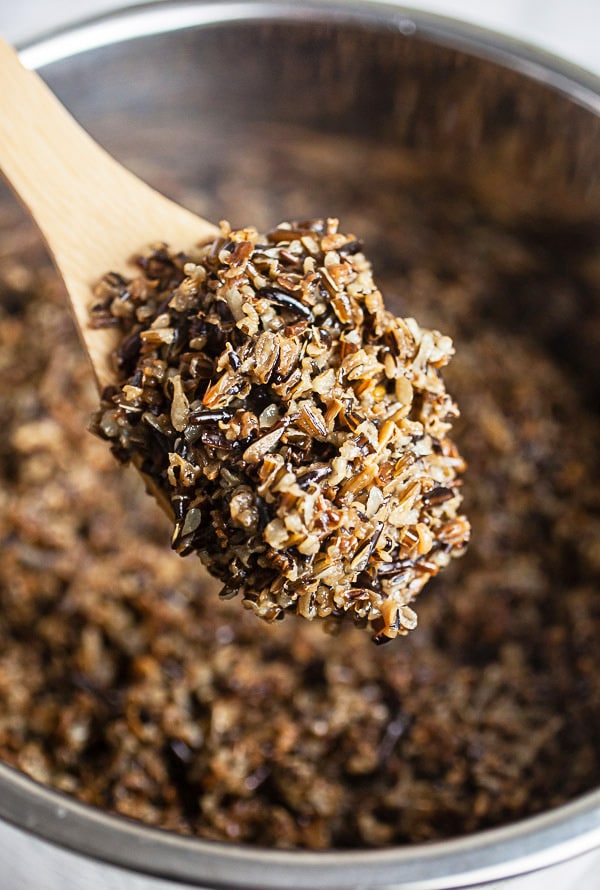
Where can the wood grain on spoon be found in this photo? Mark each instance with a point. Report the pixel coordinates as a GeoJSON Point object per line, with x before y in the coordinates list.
{"type": "Point", "coordinates": [92, 212]}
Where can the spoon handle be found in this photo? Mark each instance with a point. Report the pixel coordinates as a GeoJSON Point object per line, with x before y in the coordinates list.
{"type": "Point", "coordinates": [92, 212]}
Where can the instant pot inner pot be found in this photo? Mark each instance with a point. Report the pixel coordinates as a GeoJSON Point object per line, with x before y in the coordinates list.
{"type": "Point", "coordinates": [476, 192]}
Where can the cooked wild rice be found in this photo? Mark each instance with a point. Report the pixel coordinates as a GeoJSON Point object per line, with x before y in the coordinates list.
{"type": "Point", "coordinates": [125, 682]}
{"type": "Point", "coordinates": [298, 429]}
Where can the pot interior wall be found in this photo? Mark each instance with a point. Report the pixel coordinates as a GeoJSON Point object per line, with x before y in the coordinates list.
{"type": "Point", "coordinates": [257, 122]}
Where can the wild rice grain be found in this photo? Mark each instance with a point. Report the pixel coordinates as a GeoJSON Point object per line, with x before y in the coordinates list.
{"type": "Point", "coordinates": [126, 682]}
{"type": "Point", "coordinates": [265, 388]}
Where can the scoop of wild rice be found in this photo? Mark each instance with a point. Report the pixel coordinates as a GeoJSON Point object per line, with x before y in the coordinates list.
{"type": "Point", "coordinates": [298, 430]}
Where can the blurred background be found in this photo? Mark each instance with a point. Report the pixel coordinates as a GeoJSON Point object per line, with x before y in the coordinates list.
{"type": "Point", "coordinates": [569, 28]}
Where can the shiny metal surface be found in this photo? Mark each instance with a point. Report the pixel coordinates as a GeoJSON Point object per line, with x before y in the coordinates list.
{"type": "Point", "coordinates": [48, 840]}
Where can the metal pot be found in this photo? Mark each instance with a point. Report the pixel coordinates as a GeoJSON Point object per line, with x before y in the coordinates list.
{"type": "Point", "coordinates": [456, 100]}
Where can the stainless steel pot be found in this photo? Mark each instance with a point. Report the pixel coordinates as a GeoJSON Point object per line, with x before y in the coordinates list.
{"type": "Point", "coordinates": [243, 79]}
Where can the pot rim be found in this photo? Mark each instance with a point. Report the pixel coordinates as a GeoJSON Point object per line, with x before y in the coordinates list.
{"type": "Point", "coordinates": [524, 846]}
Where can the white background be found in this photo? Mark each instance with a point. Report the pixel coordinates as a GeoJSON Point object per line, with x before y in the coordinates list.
{"type": "Point", "coordinates": [569, 28]}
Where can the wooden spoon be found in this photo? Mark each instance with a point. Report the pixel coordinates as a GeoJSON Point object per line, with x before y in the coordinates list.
{"type": "Point", "coordinates": [92, 212]}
